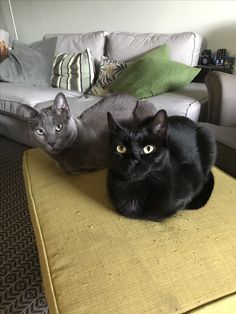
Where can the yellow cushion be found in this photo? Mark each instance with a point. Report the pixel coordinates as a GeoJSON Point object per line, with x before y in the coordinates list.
{"type": "Point", "coordinates": [95, 261]}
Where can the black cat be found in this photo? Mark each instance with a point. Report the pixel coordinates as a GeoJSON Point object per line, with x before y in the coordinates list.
{"type": "Point", "coordinates": [159, 166]}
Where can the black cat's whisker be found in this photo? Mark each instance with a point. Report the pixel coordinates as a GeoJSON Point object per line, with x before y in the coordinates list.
{"type": "Point", "coordinates": [158, 177]}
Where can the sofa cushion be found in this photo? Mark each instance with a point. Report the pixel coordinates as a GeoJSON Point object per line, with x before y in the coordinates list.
{"type": "Point", "coordinates": [30, 65]}
{"type": "Point", "coordinates": [188, 101]}
{"type": "Point", "coordinates": [150, 76]}
{"type": "Point", "coordinates": [183, 47]}
{"type": "Point", "coordinates": [29, 95]}
{"type": "Point", "coordinates": [74, 43]}
{"type": "Point", "coordinates": [73, 71]}
{"type": "Point", "coordinates": [95, 261]}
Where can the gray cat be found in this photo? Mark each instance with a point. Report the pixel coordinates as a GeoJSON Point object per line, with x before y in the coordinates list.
{"type": "Point", "coordinates": [81, 144]}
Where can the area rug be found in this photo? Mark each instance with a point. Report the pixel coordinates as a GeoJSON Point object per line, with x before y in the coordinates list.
{"type": "Point", "coordinates": [21, 288]}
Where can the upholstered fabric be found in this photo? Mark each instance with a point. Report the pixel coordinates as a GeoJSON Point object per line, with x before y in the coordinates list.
{"type": "Point", "coordinates": [189, 101]}
{"type": "Point", "coordinates": [95, 41]}
{"type": "Point", "coordinates": [29, 95]}
{"type": "Point", "coordinates": [184, 47]}
{"type": "Point", "coordinates": [222, 117]}
{"type": "Point", "coordinates": [222, 98]}
{"type": "Point", "coordinates": [95, 261]}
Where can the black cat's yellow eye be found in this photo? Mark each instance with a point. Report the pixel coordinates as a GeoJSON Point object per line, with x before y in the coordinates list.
{"type": "Point", "coordinates": [59, 127]}
{"type": "Point", "coordinates": [121, 149]}
{"type": "Point", "coordinates": [148, 149]}
{"type": "Point", "coordinates": [40, 132]}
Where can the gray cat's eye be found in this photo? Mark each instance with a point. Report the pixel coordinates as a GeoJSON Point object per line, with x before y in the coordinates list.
{"type": "Point", "coordinates": [40, 132]}
{"type": "Point", "coordinates": [148, 149]}
{"type": "Point", "coordinates": [59, 127]}
{"type": "Point", "coordinates": [121, 149]}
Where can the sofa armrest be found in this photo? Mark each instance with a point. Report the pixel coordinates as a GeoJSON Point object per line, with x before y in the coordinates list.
{"type": "Point", "coordinates": [222, 98]}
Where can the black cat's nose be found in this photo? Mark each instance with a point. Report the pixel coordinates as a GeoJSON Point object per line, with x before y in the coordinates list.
{"type": "Point", "coordinates": [133, 162]}
{"type": "Point", "coordinates": [51, 143]}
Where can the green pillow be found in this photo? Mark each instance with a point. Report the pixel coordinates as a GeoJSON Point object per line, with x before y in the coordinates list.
{"type": "Point", "coordinates": [151, 75]}
{"type": "Point", "coordinates": [110, 69]}
{"type": "Point", "coordinates": [158, 52]}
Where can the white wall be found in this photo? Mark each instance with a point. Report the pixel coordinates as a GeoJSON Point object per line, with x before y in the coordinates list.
{"type": "Point", "coordinates": [215, 20]}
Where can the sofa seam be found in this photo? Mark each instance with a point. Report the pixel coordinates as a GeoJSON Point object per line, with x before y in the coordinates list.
{"type": "Point", "coordinates": [10, 114]}
{"type": "Point", "coordinates": [189, 105]}
{"type": "Point", "coordinates": [194, 46]}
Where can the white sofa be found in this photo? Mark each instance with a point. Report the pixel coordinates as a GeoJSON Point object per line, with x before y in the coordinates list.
{"type": "Point", "coordinates": [185, 47]}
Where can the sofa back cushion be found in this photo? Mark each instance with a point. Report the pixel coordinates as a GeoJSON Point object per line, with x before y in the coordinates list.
{"type": "Point", "coordinates": [183, 47]}
{"type": "Point", "coordinates": [74, 43]}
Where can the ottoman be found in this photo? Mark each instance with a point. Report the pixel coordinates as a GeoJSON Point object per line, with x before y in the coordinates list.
{"type": "Point", "coordinates": [95, 261]}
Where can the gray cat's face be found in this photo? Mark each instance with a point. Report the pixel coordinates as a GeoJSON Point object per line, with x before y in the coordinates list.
{"type": "Point", "coordinates": [53, 128]}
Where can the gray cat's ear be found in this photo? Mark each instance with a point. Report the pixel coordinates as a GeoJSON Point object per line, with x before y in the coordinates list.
{"type": "Point", "coordinates": [60, 104]}
{"type": "Point", "coordinates": [28, 112]}
{"type": "Point", "coordinates": [159, 123]}
{"type": "Point", "coordinates": [113, 125]}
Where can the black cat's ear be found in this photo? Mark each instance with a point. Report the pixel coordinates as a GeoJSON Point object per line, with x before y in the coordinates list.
{"type": "Point", "coordinates": [28, 112]}
{"type": "Point", "coordinates": [60, 104]}
{"type": "Point", "coordinates": [113, 125]}
{"type": "Point", "coordinates": [159, 123]}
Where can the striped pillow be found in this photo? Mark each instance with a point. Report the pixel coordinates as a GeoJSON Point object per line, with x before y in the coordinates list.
{"type": "Point", "coordinates": [73, 71]}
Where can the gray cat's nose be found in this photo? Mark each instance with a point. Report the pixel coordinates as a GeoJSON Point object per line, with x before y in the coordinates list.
{"type": "Point", "coordinates": [51, 143]}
